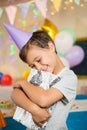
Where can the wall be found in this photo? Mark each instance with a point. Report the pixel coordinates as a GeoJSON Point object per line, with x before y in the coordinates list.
{"type": "Point", "coordinates": [73, 16]}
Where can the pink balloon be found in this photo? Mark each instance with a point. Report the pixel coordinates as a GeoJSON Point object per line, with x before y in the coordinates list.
{"type": "Point", "coordinates": [75, 55]}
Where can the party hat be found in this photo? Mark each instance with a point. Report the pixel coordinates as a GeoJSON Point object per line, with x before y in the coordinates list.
{"type": "Point", "coordinates": [19, 36]}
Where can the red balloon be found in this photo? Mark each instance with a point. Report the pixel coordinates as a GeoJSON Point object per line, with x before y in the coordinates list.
{"type": "Point", "coordinates": [6, 79]}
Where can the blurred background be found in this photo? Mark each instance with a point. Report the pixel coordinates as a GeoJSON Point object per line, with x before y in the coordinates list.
{"type": "Point", "coordinates": [64, 20]}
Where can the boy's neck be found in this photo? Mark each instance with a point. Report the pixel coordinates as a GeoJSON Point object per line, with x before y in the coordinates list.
{"type": "Point", "coordinates": [59, 66]}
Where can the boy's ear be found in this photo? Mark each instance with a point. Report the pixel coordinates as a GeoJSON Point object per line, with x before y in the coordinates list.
{"type": "Point", "coordinates": [51, 46]}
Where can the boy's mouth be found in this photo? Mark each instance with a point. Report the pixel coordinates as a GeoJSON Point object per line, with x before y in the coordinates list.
{"type": "Point", "coordinates": [45, 69]}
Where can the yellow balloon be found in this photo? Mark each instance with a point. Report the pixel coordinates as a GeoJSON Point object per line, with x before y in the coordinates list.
{"type": "Point", "coordinates": [25, 74]}
{"type": "Point", "coordinates": [50, 28]}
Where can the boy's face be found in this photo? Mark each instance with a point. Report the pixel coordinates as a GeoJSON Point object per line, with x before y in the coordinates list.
{"type": "Point", "coordinates": [42, 58]}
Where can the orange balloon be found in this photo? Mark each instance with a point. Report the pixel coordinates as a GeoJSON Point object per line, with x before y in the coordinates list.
{"type": "Point", "coordinates": [50, 28]}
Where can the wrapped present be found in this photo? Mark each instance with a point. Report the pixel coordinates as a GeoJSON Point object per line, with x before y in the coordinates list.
{"type": "Point", "coordinates": [38, 78]}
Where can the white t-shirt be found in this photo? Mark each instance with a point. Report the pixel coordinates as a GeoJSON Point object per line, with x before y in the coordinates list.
{"type": "Point", "coordinates": [67, 86]}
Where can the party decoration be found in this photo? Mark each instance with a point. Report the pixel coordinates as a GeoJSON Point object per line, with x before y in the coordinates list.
{"type": "Point", "coordinates": [60, 54]}
{"type": "Point", "coordinates": [20, 37]}
{"type": "Point", "coordinates": [72, 32]}
{"type": "Point", "coordinates": [25, 74]}
{"type": "Point", "coordinates": [57, 4]}
{"type": "Point", "coordinates": [65, 61]}
{"type": "Point", "coordinates": [6, 79]}
{"type": "Point", "coordinates": [24, 8]}
{"type": "Point", "coordinates": [75, 55]}
{"type": "Point", "coordinates": [63, 41]}
{"type": "Point", "coordinates": [42, 5]}
{"type": "Point", "coordinates": [50, 28]}
{"type": "Point", "coordinates": [1, 74]}
{"type": "Point", "coordinates": [11, 12]}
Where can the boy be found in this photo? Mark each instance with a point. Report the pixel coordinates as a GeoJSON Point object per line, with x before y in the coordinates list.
{"type": "Point", "coordinates": [39, 52]}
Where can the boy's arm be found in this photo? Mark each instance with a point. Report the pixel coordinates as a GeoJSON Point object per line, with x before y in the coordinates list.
{"type": "Point", "coordinates": [39, 114]}
{"type": "Point", "coordinates": [22, 100]}
{"type": "Point", "coordinates": [43, 98]}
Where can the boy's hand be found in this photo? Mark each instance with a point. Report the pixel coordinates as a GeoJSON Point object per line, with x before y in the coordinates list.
{"type": "Point", "coordinates": [40, 116]}
{"type": "Point", "coordinates": [19, 83]}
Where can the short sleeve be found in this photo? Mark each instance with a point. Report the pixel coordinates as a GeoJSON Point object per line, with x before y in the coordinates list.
{"type": "Point", "coordinates": [67, 85]}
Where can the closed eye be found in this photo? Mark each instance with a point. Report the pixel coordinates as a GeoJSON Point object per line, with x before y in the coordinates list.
{"type": "Point", "coordinates": [32, 66]}
{"type": "Point", "coordinates": [38, 61]}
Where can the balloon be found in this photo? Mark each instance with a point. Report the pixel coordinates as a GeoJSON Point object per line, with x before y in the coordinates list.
{"type": "Point", "coordinates": [50, 28]}
{"type": "Point", "coordinates": [6, 79]}
{"type": "Point", "coordinates": [65, 61]}
{"type": "Point", "coordinates": [1, 74]}
{"type": "Point", "coordinates": [63, 41]}
{"type": "Point", "coordinates": [75, 55]}
{"type": "Point", "coordinates": [72, 32]}
{"type": "Point", "coordinates": [26, 74]}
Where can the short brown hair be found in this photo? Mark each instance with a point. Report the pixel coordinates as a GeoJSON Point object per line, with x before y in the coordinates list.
{"type": "Point", "coordinates": [39, 38]}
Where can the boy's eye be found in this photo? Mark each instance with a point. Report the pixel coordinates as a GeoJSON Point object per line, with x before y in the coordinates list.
{"type": "Point", "coordinates": [31, 66]}
{"type": "Point", "coordinates": [38, 60]}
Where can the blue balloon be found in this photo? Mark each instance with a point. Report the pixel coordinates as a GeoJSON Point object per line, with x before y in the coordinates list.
{"type": "Point", "coordinates": [1, 74]}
